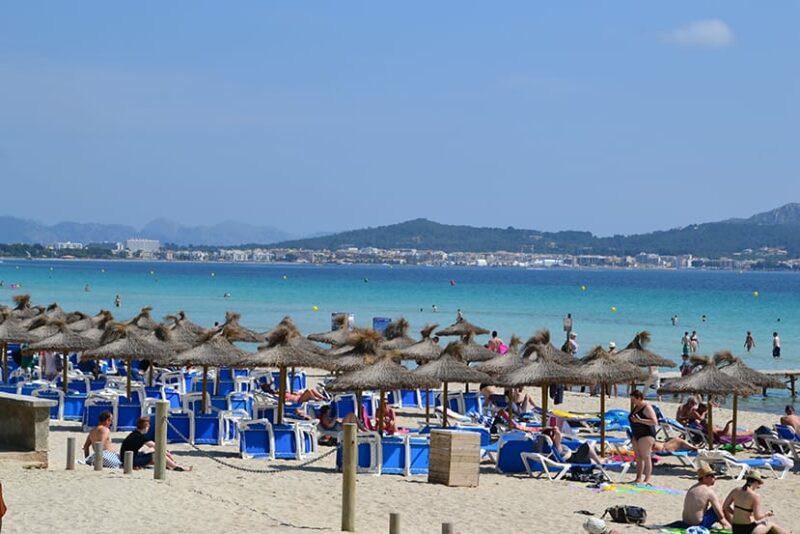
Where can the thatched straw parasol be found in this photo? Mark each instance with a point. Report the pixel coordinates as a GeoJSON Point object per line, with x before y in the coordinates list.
{"type": "Point", "coordinates": [636, 353]}
{"type": "Point", "coordinates": [396, 335]}
{"type": "Point", "coordinates": [42, 327]}
{"type": "Point", "coordinates": [54, 312]}
{"type": "Point", "coordinates": [424, 350]}
{"type": "Point", "coordinates": [537, 371]}
{"type": "Point", "coordinates": [710, 381]}
{"type": "Point", "coordinates": [11, 331]}
{"type": "Point", "coordinates": [23, 308]}
{"type": "Point", "coordinates": [462, 327]}
{"type": "Point", "coordinates": [383, 375]}
{"type": "Point", "coordinates": [299, 341]}
{"type": "Point", "coordinates": [604, 369]}
{"type": "Point", "coordinates": [285, 349]}
{"type": "Point", "coordinates": [75, 316]}
{"type": "Point", "coordinates": [122, 341]}
{"type": "Point", "coordinates": [142, 323]}
{"type": "Point", "coordinates": [183, 330]}
{"type": "Point", "coordinates": [336, 337]}
{"type": "Point", "coordinates": [449, 367]}
{"type": "Point", "coordinates": [90, 321]}
{"type": "Point", "coordinates": [734, 367]}
{"type": "Point", "coordinates": [237, 332]}
{"type": "Point", "coordinates": [64, 341]}
{"type": "Point", "coordinates": [216, 349]}
{"type": "Point", "coordinates": [474, 352]}
{"type": "Point", "coordinates": [364, 350]}
{"type": "Point", "coordinates": [541, 341]}
{"type": "Point", "coordinates": [504, 363]}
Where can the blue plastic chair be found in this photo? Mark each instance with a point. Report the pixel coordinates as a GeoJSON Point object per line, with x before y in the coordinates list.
{"type": "Point", "coordinates": [419, 448]}
{"type": "Point", "coordinates": [74, 406]}
{"type": "Point", "coordinates": [207, 429]}
{"type": "Point", "coordinates": [393, 455]}
{"type": "Point", "coordinates": [255, 439]}
{"type": "Point", "coordinates": [127, 414]}
{"type": "Point", "coordinates": [509, 448]}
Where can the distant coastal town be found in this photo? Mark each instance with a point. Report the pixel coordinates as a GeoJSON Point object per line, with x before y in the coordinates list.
{"type": "Point", "coordinates": [153, 250]}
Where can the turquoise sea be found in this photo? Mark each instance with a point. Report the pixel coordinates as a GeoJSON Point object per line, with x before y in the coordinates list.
{"type": "Point", "coordinates": [607, 305]}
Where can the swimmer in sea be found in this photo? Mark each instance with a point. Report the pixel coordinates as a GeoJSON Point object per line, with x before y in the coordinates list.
{"type": "Point", "coordinates": [86, 288]}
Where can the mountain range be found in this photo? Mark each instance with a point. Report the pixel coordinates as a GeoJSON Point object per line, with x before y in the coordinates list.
{"type": "Point", "coordinates": [775, 229]}
{"type": "Point", "coordinates": [227, 233]}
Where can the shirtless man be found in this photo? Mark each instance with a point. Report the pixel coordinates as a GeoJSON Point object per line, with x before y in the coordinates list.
{"type": "Point", "coordinates": [101, 433]}
{"type": "Point", "coordinates": [701, 506]}
{"type": "Point", "coordinates": [791, 419]}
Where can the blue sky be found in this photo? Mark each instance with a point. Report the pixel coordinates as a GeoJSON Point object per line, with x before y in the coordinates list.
{"type": "Point", "coordinates": [614, 117]}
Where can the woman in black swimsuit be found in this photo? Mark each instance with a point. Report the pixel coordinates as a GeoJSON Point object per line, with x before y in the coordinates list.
{"type": "Point", "coordinates": [742, 508]}
{"type": "Point", "coordinates": [643, 423]}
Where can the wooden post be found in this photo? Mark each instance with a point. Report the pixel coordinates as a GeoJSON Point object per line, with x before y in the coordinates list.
{"type": "Point", "coordinates": [510, 408]}
{"type": "Point", "coordinates": [602, 420]}
{"type": "Point", "coordinates": [291, 382]}
{"type": "Point", "coordinates": [65, 365]}
{"type": "Point", "coordinates": [349, 461]}
{"type": "Point", "coordinates": [281, 394]}
{"type": "Point", "coordinates": [710, 424]}
{"type": "Point", "coordinates": [5, 361]}
{"type": "Point", "coordinates": [150, 382]}
{"type": "Point", "coordinates": [447, 528]}
{"type": "Point", "coordinates": [127, 463]}
{"type": "Point", "coordinates": [130, 377]}
{"type": "Point", "coordinates": [70, 454]}
{"type": "Point", "coordinates": [98, 456]}
{"type": "Point", "coordinates": [545, 399]}
{"type": "Point", "coordinates": [205, 389]}
{"type": "Point", "coordinates": [162, 409]}
{"type": "Point", "coordinates": [427, 406]}
{"type": "Point", "coordinates": [394, 523]}
{"type": "Point", "coordinates": [445, 406]}
{"type": "Point", "coordinates": [733, 427]}
{"type": "Point", "coordinates": [792, 379]}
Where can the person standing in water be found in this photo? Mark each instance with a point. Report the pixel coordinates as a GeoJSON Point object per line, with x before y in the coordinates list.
{"type": "Point", "coordinates": [694, 341]}
{"type": "Point", "coordinates": [749, 342]}
{"type": "Point", "coordinates": [776, 345]}
{"type": "Point", "coordinates": [117, 301]}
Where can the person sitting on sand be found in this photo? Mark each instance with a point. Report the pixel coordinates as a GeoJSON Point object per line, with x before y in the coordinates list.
{"type": "Point", "coordinates": [702, 410]}
{"type": "Point", "coordinates": [101, 433]}
{"type": "Point", "coordinates": [701, 506]}
{"type": "Point", "coordinates": [791, 419]}
{"type": "Point", "coordinates": [687, 412]}
{"type": "Point", "coordinates": [144, 449]}
{"type": "Point", "coordinates": [742, 508]}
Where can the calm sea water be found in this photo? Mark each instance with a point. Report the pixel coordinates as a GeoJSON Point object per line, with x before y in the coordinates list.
{"type": "Point", "coordinates": [607, 305]}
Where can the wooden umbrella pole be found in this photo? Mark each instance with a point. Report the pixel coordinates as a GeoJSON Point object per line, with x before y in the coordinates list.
{"type": "Point", "coordinates": [466, 387]}
{"type": "Point", "coordinates": [602, 420]}
{"type": "Point", "coordinates": [5, 361]}
{"type": "Point", "coordinates": [151, 375]}
{"type": "Point", "coordinates": [291, 383]}
{"type": "Point", "coordinates": [281, 393]}
{"type": "Point", "coordinates": [427, 406]}
{"type": "Point", "coordinates": [733, 428]}
{"type": "Point", "coordinates": [65, 364]}
{"type": "Point", "coordinates": [130, 377]}
{"type": "Point", "coordinates": [205, 389]}
{"type": "Point", "coordinates": [380, 413]}
{"type": "Point", "coordinates": [358, 407]}
{"type": "Point", "coordinates": [710, 424]}
{"type": "Point", "coordinates": [444, 405]}
{"type": "Point", "coordinates": [510, 408]}
{"type": "Point", "coordinates": [544, 405]}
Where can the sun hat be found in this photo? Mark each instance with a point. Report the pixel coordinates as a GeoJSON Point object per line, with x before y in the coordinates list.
{"type": "Point", "coordinates": [612, 345]}
{"type": "Point", "coordinates": [704, 471]}
{"type": "Point", "coordinates": [593, 525]}
{"type": "Point", "coordinates": [754, 475]}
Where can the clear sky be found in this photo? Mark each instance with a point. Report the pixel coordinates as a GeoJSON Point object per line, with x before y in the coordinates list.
{"type": "Point", "coordinates": [614, 117]}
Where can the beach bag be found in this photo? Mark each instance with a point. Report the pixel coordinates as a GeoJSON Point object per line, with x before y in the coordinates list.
{"type": "Point", "coordinates": [635, 515]}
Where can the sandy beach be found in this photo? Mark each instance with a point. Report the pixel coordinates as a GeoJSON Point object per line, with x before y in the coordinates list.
{"type": "Point", "coordinates": [217, 498]}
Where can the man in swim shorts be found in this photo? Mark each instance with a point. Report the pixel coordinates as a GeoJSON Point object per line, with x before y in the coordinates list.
{"type": "Point", "coordinates": [701, 506]}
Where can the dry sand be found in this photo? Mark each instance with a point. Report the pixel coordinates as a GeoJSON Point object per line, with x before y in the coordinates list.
{"type": "Point", "coordinates": [215, 498]}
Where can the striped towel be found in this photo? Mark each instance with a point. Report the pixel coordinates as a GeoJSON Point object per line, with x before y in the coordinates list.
{"type": "Point", "coordinates": [110, 459]}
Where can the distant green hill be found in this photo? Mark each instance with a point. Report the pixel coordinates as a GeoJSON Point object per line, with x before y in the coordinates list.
{"type": "Point", "coordinates": [779, 228]}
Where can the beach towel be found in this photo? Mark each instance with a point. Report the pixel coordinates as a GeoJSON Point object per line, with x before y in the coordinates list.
{"type": "Point", "coordinates": [684, 531]}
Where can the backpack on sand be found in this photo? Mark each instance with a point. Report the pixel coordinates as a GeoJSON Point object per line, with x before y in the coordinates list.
{"type": "Point", "coordinates": [626, 514]}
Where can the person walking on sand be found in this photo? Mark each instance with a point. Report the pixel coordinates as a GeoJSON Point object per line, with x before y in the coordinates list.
{"type": "Point", "coordinates": [643, 422]}
{"type": "Point", "coordinates": [776, 345]}
{"type": "Point", "coordinates": [749, 342]}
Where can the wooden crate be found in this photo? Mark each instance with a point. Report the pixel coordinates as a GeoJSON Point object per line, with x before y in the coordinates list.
{"type": "Point", "coordinates": [454, 458]}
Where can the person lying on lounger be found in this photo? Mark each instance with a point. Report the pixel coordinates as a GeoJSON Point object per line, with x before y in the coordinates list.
{"type": "Point", "coordinates": [673, 445]}
{"type": "Point", "coordinates": [298, 396]}
{"type": "Point", "coordinates": [702, 409]}
{"type": "Point", "coordinates": [791, 419]}
{"type": "Point", "coordinates": [584, 454]}
{"type": "Point", "coordinates": [687, 412]}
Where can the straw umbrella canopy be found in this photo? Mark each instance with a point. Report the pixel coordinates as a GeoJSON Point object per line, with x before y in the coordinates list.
{"type": "Point", "coordinates": [122, 341]}
{"type": "Point", "coordinates": [55, 312]}
{"type": "Point", "coordinates": [299, 340]}
{"type": "Point", "coordinates": [87, 321]}
{"type": "Point", "coordinates": [604, 369]}
{"type": "Point", "coordinates": [364, 343]}
{"type": "Point", "coordinates": [734, 367]}
{"type": "Point", "coordinates": [504, 363]}
{"type": "Point", "coordinates": [449, 367]}
{"type": "Point", "coordinates": [637, 354]}
{"type": "Point", "coordinates": [335, 337]}
{"type": "Point", "coordinates": [23, 308]}
{"type": "Point", "coordinates": [183, 330]}
{"type": "Point", "coordinates": [216, 349]}
{"type": "Point", "coordinates": [709, 381]}
{"type": "Point", "coordinates": [12, 331]}
{"type": "Point", "coordinates": [396, 335]}
{"type": "Point", "coordinates": [537, 370]}
{"type": "Point", "coordinates": [385, 374]}
{"type": "Point", "coordinates": [42, 327]}
{"type": "Point", "coordinates": [236, 332]}
{"type": "Point", "coordinates": [462, 327]}
{"type": "Point", "coordinates": [423, 350]}
{"type": "Point", "coordinates": [65, 341]}
{"type": "Point", "coordinates": [142, 323]}
{"type": "Point", "coordinates": [285, 349]}
{"type": "Point", "coordinates": [541, 342]}
{"type": "Point", "coordinates": [474, 352]}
